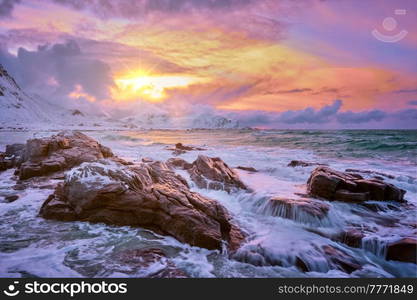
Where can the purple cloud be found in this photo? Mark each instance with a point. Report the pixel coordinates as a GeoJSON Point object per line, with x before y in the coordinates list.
{"type": "Point", "coordinates": [310, 115]}
{"type": "Point", "coordinates": [6, 7]}
{"type": "Point", "coordinates": [63, 63]}
{"type": "Point", "coordinates": [328, 117]}
{"type": "Point", "coordinates": [361, 117]}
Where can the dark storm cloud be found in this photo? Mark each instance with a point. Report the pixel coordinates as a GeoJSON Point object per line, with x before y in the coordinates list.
{"type": "Point", "coordinates": [328, 116]}
{"type": "Point", "coordinates": [407, 114]}
{"type": "Point", "coordinates": [310, 115]}
{"type": "Point", "coordinates": [303, 116]}
{"type": "Point", "coordinates": [6, 7]}
{"type": "Point", "coordinates": [351, 117]}
{"type": "Point", "coordinates": [129, 8]}
{"type": "Point", "coordinates": [63, 63]}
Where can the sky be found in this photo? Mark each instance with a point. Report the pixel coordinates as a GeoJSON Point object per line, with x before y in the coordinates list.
{"type": "Point", "coordinates": [327, 64]}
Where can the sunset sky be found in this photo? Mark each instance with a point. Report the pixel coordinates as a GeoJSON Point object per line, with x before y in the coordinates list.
{"type": "Point", "coordinates": [266, 63]}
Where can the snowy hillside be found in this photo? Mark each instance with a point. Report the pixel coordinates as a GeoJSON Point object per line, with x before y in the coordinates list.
{"type": "Point", "coordinates": [18, 108]}
{"type": "Point", "coordinates": [22, 110]}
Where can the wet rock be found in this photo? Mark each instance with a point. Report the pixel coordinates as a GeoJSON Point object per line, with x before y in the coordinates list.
{"type": "Point", "coordinates": [142, 261]}
{"type": "Point", "coordinates": [60, 152]}
{"type": "Point", "coordinates": [346, 196]}
{"type": "Point", "coordinates": [301, 209]}
{"type": "Point", "coordinates": [301, 265]}
{"type": "Point", "coordinates": [19, 187]}
{"type": "Point", "coordinates": [182, 149]}
{"type": "Point", "coordinates": [333, 185]}
{"type": "Point", "coordinates": [248, 169]}
{"type": "Point", "coordinates": [150, 195]}
{"type": "Point", "coordinates": [404, 250]}
{"type": "Point", "coordinates": [214, 173]}
{"type": "Point", "coordinates": [11, 198]}
{"type": "Point", "coordinates": [16, 150]}
{"type": "Point", "coordinates": [179, 163]}
{"type": "Point", "coordinates": [180, 146]}
{"type": "Point", "coordinates": [352, 237]}
{"type": "Point", "coordinates": [301, 163]}
{"type": "Point", "coordinates": [210, 173]}
{"type": "Point", "coordinates": [147, 160]}
{"type": "Point", "coordinates": [341, 260]}
{"type": "Point", "coordinates": [11, 157]}
{"type": "Point", "coordinates": [4, 163]}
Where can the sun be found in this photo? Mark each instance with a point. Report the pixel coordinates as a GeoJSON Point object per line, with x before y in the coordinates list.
{"type": "Point", "coordinates": [150, 87]}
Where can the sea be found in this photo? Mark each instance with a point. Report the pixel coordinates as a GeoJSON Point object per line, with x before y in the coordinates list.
{"type": "Point", "coordinates": [31, 246]}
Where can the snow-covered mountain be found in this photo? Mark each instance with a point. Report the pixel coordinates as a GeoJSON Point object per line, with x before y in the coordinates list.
{"type": "Point", "coordinates": [165, 121]}
{"type": "Point", "coordinates": [19, 109]}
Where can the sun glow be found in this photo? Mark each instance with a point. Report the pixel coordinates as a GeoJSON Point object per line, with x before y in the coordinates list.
{"type": "Point", "coordinates": [152, 88]}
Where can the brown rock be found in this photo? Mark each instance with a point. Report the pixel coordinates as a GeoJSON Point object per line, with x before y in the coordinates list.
{"type": "Point", "coordinates": [60, 152]}
{"type": "Point", "coordinates": [214, 173]}
{"type": "Point", "coordinates": [333, 185]}
{"type": "Point", "coordinates": [179, 163]}
{"type": "Point", "coordinates": [180, 146]}
{"type": "Point", "coordinates": [296, 209]}
{"type": "Point", "coordinates": [301, 163]}
{"type": "Point", "coordinates": [11, 157]}
{"type": "Point", "coordinates": [341, 260]}
{"type": "Point", "coordinates": [352, 237]}
{"type": "Point", "coordinates": [16, 150]}
{"type": "Point", "coordinates": [146, 195]}
{"type": "Point", "coordinates": [404, 250]}
{"type": "Point", "coordinates": [181, 149]}
{"type": "Point", "coordinates": [248, 169]}
{"type": "Point", "coordinates": [147, 160]}
{"type": "Point", "coordinates": [11, 198]}
{"type": "Point", "coordinates": [346, 196]}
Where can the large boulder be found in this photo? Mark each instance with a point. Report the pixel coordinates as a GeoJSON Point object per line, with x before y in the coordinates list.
{"type": "Point", "coordinates": [210, 173]}
{"type": "Point", "coordinates": [43, 156]}
{"type": "Point", "coordinates": [404, 250]}
{"type": "Point", "coordinates": [148, 195]}
{"type": "Point", "coordinates": [333, 185]}
{"type": "Point", "coordinates": [214, 173]}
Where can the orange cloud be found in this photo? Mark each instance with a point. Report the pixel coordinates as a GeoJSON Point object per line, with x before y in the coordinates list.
{"type": "Point", "coordinates": [79, 93]}
{"type": "Point", "coordinates": [228, 67]}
